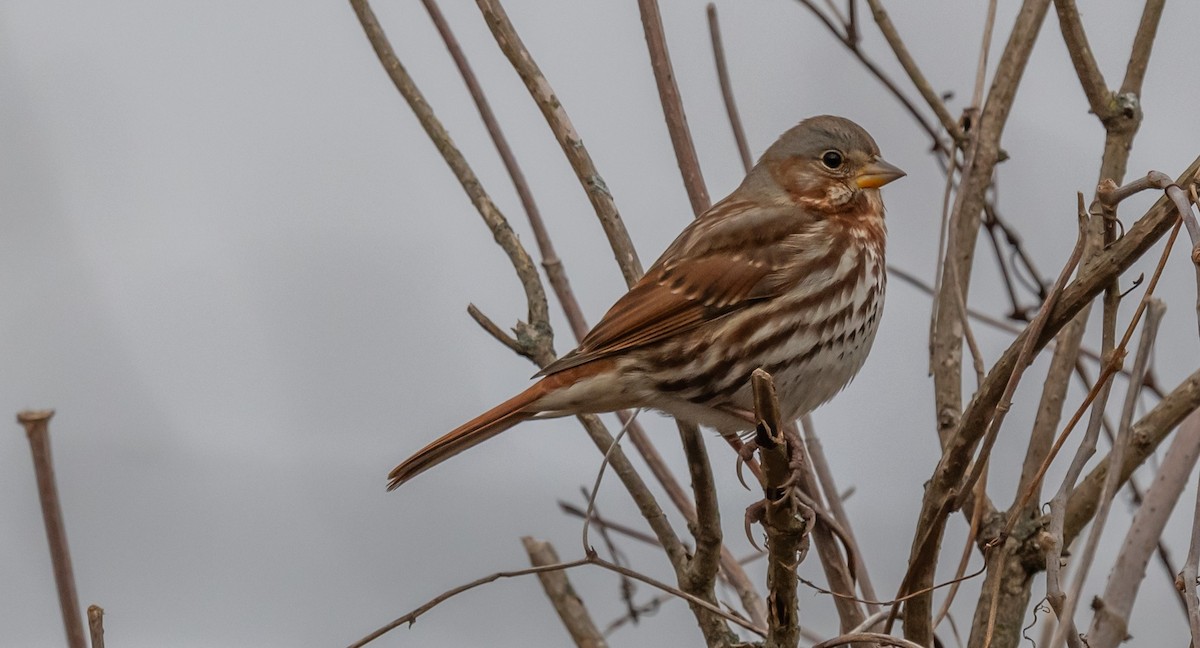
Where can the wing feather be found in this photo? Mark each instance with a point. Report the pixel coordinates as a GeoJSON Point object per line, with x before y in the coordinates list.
{"type": "Point", "coordinates": [732, 256]}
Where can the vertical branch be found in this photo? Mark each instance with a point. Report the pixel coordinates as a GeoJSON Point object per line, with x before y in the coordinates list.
{"type": "Point", "coordinates": [668, 92]}
{"type": "Point", "coordinates": [37, 429]}
{"type": "Point", "coordinates": [982, 155]}
{"type": "Point", "coordinates": [820, 467]}
{"type": "Point", "coordinates": [95, 615]}
{"type": "Point", "coordinates": [784, 517]}
{"type": "Point", "coordinates": [1083, 563]}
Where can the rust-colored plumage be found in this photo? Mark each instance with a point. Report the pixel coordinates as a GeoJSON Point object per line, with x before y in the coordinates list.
{"type": "Point", "coordinates": [786, 273]}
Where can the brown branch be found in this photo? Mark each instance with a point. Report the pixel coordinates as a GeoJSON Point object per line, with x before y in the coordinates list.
{"type": "Point", "coordinates": [1098, 95]}
{"type": "Point", "coordinates": [37, 430]}
{"type": "Point", "coordinates": [95, 615]}
{"type": "Point", "coordinates": [566, 602]}
{"type": "Point", "coordinates": [1091, 279]}
{"type": "Point", "coordinates": [1148, 433]}
{"type": "Point", "coordinates": [551, 263]}
{"type": "Point", "coordinates": [820, 467]}
{"type": "Point", "coordinates": [786, 521]}
{"type": "Point", "coordinates": [701, 576]}
{"type": "Point", "coordinates": [1143, 43]}
{"type": "Point", "coordinates": [568, 139]}
{"type": "Point", "coordinates": [907, 277]}
{"type": "Point", "coordinates": [739, 134]}
{"type": "Point", "coordinates": [1186, 582]}
{"type": "Point", "coordinates": [931, 97]}
{"type": "Point", "coordinates": [850, 41]}
{"type": "Point", "coordinates": [668, 93]}
{"type": "Point", "coordinates": [536, 337]}
{"type": "Point", "coordinates": [592, 559]}
{"type": "Point", "coordinates": [871, 637]}
{"type": "Point", "coordinates": [1109, 625]}
{"type": "Point", "coordinates": [1108, 492]}
{"type": "Point", "coordinates": [983, 153]}
{"type": "Point", "coordinates": [1024, 359]}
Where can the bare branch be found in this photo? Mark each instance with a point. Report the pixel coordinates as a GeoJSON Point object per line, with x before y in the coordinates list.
{"type": "Point", "coordinates": [983, 153]}
{"type": "Point", "coordinates": [564, 131]}
{"type": "Point", "coordinates": [562, 596]}
{"type": "Point", "coordinates": [931, 97]}
{"type": "Point", "coordinates": [95, 615]}
{"type": "Point", "coordinates": [1186, 582]}
{"type": "Point", "coordinates": [1148, 432]}
{"type": "Point", "coordinates": [1090, 77]}
{"type": "Point", "coordinates": [739, 134]}
{"type": "Point", "coordinates": [37, 429]}
{"type": "Point", "coordinates": [540, 342]}
{"type": "Point", "coordinates": [1143, 43]}
{"type": "Point", "coordinates": [850, 41]}
{"type": "Point", "coordinates": [1024, 359]}
{"type": "Point", "coordinates": [551, 263]}
{"type": "Point", "coordinates": [668, 93]}
{"type": "Point", "coordinates": [1110, 623]}
{"type": "Point", "coordinates": [820, 467]}
{"type": "Point", "coordinates": [411, 617]}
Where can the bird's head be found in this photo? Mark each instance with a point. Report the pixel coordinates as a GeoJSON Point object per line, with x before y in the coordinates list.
{"type": "Point", "coordinates": [826, 164]}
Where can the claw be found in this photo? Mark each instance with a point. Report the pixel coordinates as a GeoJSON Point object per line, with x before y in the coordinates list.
{"type": "Point", "coordinates": [754, 513]}
{"type": "Point", "coordinates": [744, 454]}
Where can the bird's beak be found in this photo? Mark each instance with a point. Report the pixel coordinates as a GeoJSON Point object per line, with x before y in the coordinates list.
{"type": "Point", "coordinates": [877, 173]}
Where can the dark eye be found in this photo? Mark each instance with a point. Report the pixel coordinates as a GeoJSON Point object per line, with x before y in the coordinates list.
{"type": "Point", "coordinates": [832, 159]}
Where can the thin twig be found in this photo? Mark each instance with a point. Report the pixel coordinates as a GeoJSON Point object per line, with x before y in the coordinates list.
{"type": "Point", "coordinates": [820, 466]}
{"type": "Point", "coordinates": [593, 559]}
{"type": "Point", "coordinates": [37, 430]}
{"type": "Point", "coordinates": [537, 336]}
{"type": "Point", "coordinates": [850, 41]}
{"type": "Point", "coordinates": [931, 97]}
{"type": "Point", "coordinates": [551, 263]}
{"type": "Point", "coordinates": [1148, 433]}
{"type": "Point", "coordinates": [739, 134]}
{"type": "Point", "coordinates": [568, 139]}
{"type": "Point", "coordinates": [668, 94]}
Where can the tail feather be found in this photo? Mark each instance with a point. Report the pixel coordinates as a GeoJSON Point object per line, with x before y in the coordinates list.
{"type": "Point", "coordinates": [477, 430]}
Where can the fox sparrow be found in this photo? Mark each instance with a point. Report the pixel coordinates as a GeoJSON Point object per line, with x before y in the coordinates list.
{"type": "Point", "coordinates": [786, 273]}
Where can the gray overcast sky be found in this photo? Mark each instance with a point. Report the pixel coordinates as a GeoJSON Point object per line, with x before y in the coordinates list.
{"type": "Point", "coordinates": [238, 269]}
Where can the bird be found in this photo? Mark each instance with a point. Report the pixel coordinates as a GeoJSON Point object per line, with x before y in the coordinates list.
{"type": "Point", "coordinates": [787, 273]}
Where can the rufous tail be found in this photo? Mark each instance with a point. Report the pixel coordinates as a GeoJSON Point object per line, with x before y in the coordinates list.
{"type": "Point", "coordinates": [473, 432]}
